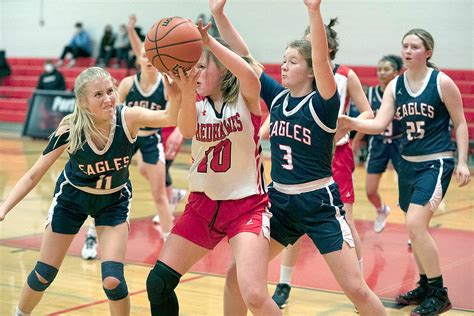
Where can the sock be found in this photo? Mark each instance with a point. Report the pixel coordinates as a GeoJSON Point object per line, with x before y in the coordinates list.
{"type": "Point", "coordinates": [380, 209]}
{"type": "Point", "coordinates": [18, 312]}
{"type": "Point", "coordinates": [423, 280]}
{"type": "Point", "coordinates": [285, 274]}
{"type": "Point", "coordinates": [436, 282]}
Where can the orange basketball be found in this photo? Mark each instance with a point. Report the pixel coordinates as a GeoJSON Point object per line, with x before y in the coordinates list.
{"type": "Point", "coordinates": [173, 43]}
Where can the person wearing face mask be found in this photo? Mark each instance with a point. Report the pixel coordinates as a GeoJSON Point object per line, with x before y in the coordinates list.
{"type": "Point", "coordinates": [51, 78]}
{"type": "Point", "coordinates": [79, 46]}
{"type": "Point", "coordinates": [106, 45]}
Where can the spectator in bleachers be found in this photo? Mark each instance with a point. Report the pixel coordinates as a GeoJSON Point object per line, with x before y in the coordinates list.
{"type": "Point", "coordinates": [122, 47]}
{"type": "Point", "coordinates": [79, 46]}
{"type": "Point", "coordinates": [51, 78]}
{"type": "Point", "coordinates": [106, 46]}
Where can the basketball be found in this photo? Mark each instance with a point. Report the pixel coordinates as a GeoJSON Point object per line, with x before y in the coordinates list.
{"type": "Point", "coordinates": [173, 43]}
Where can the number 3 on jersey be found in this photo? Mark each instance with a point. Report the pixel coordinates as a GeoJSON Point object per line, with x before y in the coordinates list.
{"type": "Point", "coordinates": [288, 157]}
{"type": "Point", "coordinates": [220, 157]}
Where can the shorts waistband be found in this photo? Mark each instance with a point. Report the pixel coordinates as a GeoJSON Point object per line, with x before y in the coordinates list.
{"type": "Point", "coordinates": [436, 156]}
{"type": "Point", "coordinates": [93, 190]}
{"type": "Point", "coordinates": [303, 187]}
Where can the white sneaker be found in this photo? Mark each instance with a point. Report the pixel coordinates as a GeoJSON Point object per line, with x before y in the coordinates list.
{"type": "Point", "coordinates": [381, 219]}
{"type": "Point", "coordinates": [89, 250]}
{"type": "Point", "coordinates": [156, 219]}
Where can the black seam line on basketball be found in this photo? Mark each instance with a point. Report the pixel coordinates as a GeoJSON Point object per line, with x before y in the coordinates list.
{"type": "Point", "coordinates": [185, 61]}
{"type": "Point", "coordinates": [164, 35]}
{"type": "Point", "coordinates": [170, 45]}
{"type": "Point", "coordinates": [174, 44]}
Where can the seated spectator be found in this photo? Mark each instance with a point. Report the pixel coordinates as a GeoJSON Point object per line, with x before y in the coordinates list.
{"type": "Point", "coordinates": [51, 78]}
{"type": "Point", "coordinates": [106, 46]}
{"type": "Point", "coordinates": [79, 46]}
{"type": "Point", "coordinates": [122, 47]}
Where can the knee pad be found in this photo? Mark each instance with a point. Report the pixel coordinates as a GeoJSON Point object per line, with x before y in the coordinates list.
{"type": "Point", "coordinates": [161, 282]}
{"type": "Point", "coordinates": [46, 271]}
{"type": "Point", "coordinates": [115, 270]}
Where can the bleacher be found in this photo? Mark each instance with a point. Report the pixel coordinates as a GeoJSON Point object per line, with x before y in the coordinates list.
{"type": "Point", "coordinates": [16, 89]}
{"type": "Point", "coordinates": [19, 86]}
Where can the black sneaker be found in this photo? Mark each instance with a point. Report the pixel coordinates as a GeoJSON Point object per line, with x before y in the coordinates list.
{"type": "Point", "coordinates": [437, 302]}
{"type": "Point", "coordinates": [282, 292]}
{"type": "Point", "coordinates": [413, 297]}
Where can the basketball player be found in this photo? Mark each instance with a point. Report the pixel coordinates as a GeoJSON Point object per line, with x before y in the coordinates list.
{"type": "Point", "coordinates": [99, 137]}
{"type": "Point", "coordinates": [349, 88]}
{"type": "Point", "coordinates": [424, 100]}
{"type": "Point", "coordinates": [304, 197]}
{"type": "Point", "coordinates": [384, 147]}
{"type": "Point", "coordinates": [146, 89]}
{"type": "Point", "coordinates": [171, 137]}
{"type": "Point", "coordinates": [228, 197]}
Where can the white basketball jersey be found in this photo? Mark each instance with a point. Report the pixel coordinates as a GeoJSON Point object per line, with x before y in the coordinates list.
{"type": "Point", "coordinates": [342, 77]}
{"type": "Point", "coordinates": [226, 153]}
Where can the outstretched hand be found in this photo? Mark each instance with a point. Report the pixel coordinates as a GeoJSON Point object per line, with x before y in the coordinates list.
{"type": "Point", "coordinates": [204, 31]}
{"type": "Point", "coordinates": [171, 88]}
{"type": "Point", "coordinates": [344, 122]}
{"type": "Point", "coordinates": [185, 82]}
{"type": "Point", "coordinates": [312, 4]}
{"type": "Point", "coordinates": [217, 6]}
{"type": "Point", "coordinates": [132, 21]}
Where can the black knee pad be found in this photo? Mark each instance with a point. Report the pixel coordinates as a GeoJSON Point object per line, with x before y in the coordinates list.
{"type": "Point", "coordinates": [46, 271]}
{"type": "Point", "coordinates": [114, 269]}
{"type": "Point", "coordinates": [161, 282]}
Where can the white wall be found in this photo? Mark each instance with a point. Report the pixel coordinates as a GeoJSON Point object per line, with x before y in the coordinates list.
{"type": "Point", "coordinates": [367, 29]}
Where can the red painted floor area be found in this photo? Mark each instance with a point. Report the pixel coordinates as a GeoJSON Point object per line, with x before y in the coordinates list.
{"type": "Point", "coordinates": [389, 267]}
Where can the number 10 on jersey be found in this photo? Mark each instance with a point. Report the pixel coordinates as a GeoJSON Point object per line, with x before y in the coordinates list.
{"type": "Point", "coordinates": [220, 157]}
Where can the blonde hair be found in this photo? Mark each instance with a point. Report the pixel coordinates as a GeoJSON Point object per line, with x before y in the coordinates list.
{"type": "Point", "coordinates": [80, 121]}
{"type": "Point", "coordinates": [428, 43]}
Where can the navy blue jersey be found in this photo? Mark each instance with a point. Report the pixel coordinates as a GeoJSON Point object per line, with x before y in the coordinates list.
{"type": "Point", "coordinates": [102, 171]}
{"type": "Point", "coordinates": [301, 133]}
{"type": "Point", "coordinates": [394, 129]}
{"type": "Point", "coordinates": [423, 116]}
{"type": "Point", "coordinates": [152, 100]}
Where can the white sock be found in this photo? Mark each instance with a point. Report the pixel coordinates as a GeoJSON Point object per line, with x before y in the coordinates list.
{"type": "Point", "coordinates": [91, 231]}
{"type": "Point", "coordinates": [285, 274]}
{"type": "Point", "coordinates": [18, 312]}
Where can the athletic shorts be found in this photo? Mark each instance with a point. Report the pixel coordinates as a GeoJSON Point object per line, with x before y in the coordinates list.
{"type": "Point", "coordinates": [380, 152]}
{"type": "Point", "coordinates": [151, 148]}
{"type": "Point", "coordinates": [319, 214]}
{"type": "Point", "coordinates": [424, 182]}
{"type": "Point", "coordinates": [205, 222]}
{"type": "Point", "coordinates": [342, 168]}
{"type": "Point", "coordinates": [71, 206]}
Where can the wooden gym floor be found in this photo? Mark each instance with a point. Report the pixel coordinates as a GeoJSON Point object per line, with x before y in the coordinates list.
{"type": "Point", "coordinates": [388, 264]}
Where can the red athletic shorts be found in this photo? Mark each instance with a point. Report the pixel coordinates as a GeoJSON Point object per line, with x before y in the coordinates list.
{"type": "Point", "coordinates": [205, 222]}
{"type": "Point", "coordinates": [342, 168]}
